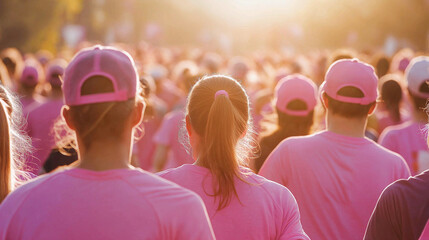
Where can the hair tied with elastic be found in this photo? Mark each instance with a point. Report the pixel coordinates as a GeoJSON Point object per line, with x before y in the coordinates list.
{"type": "Point", "coordinates": [221, 92]}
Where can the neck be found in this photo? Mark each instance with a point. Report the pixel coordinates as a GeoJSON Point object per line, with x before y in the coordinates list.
{"type": "Point", "coordinates": [105, 155]}
{"type": "Point", "coordinates": [352, 127]}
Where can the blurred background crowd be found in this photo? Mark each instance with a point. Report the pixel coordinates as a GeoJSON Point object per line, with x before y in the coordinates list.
{"type": "Point", "coordinates": [176, 42]}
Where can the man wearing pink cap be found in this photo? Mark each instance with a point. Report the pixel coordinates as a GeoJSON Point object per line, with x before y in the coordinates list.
{"type": "Point", "coordinates": [295, 100]}
{"type": "Point", "coordinates": [337, 175]}
{"type": "Point", "coordinates": [103, 196]}
{"type": "Point", "coordinates": [409, 138]}
{"type": "Point", "coordinates": [28, 81]}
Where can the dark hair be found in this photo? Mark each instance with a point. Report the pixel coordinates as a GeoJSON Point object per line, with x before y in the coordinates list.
{"type": "Point", "coordinates": [287, 126]}
{"type": "Point", "coordinates": [345, 109]}
{"type": "Point", "coordinates": [419, 102]}
{"type": "Point", "coordinates": [382, 66]}
{"type": "Point", "coordinates": [220, 122]}
{"type": "Point", "coordinates": [391, 94]}
{"type": "Point", "coordinates": [97, 121]}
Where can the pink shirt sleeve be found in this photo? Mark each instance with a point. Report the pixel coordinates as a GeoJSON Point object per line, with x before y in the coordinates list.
{"type": "Point", "coordinates": [274, 167]}
{"type": "Point", "coordinates": [191, 222]}
{"type": "Point", "coordinates": [291, 228]}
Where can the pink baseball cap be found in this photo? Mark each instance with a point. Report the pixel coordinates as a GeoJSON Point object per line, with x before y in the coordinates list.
{"type": "Point", "coordinates": [30, 76]}
{"type": "Point", "coordinates": [351, 73]}
{"type": "Point", "coordinates": [55, 71]}
{"type": "Point", "coordinates": [111, 63]}
{"type": "Point", "coordinates": [295, 87]}
{"type": "Point", "coordinates": [417, 73]}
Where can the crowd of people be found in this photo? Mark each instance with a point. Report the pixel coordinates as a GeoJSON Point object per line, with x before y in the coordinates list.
{"type": "Point", "coordinates": [149, 142]}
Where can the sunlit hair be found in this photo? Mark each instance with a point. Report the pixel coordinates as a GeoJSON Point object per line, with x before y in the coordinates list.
{"type": "Point", "coordinates": [97, 121]}
{"type": "Point", "coordinates": [14, 144]}
{"type": "Point", "coordinates": [4, 76]}
{"type": "Point", "coordinates": [221, 122]}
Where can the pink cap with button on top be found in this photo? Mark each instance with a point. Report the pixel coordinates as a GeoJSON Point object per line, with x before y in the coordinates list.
{"type": "Point", "coordinates": [111, 63]}
{"type": "Point", "coordinates": [351, 73]}
{"type": "Point", "coordinates": [296, 87]}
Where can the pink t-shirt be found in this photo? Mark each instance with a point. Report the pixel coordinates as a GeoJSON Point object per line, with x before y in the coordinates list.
{"type": "Point", "coordinates": [336, 180]}
{"type": "Point", "coordinates": [384, 119]}
{"type": "Point", "coordinates": [144, 148]}
{"type": "Point", "coordinates": [29, 103]}
{"type": "Point", "coordinates": [407, 139]}
{"type": "Point", "coordinates": [265, 210]}
{"type": "Point", "coordinates": [168, 134]}
{"type": "Point", "coordinates": [115, 204]}
{"type": "Point", "coordinates": [40, 128]}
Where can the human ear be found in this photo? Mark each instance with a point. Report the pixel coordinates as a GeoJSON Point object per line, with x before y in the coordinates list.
{"type": "Point", "coordinates": [65, 112]}
{"type": "Point", "coordinates": [138, 113]}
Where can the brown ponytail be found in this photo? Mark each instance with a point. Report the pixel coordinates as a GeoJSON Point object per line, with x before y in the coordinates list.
{"type": "Point", "coordinates": [5, 152]}
{"type": "Point", "coordinates": [14, 144]}
{"type": "Point", "coordinates": [221, 121]}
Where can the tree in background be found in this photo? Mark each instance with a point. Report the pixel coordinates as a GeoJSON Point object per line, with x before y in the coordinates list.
{"type": "Point", "coordinates": [33, 25]}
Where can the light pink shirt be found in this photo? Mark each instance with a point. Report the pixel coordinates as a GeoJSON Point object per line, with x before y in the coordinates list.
{"type": "Point", "coordinates": [336, 180]}
{"type": "Point", "coordinates": [407, 139]}
{"type": "Point", "coordinates": [40, 128]}
{"type": "Point", "coordinates": [114, 204]}
{"type": "Point", "coordinates": [384, 119]}
{"type": "Point", "coordinates": [169, 135]}
{"type": "Point", "coordinates": [265, 210]}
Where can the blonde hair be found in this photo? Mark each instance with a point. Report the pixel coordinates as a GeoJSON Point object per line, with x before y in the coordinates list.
{"type": "Point", "coordinates": [14, 144]}
{"type": "Point", "coordinates": [221, 121]}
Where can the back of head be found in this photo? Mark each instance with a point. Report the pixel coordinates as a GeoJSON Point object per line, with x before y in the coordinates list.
{"type": "Point", "coordinates": [13, 61]}
{"type": "Point", "coordinates": [100, 89]}
{"type": "Point", "coordinates": [295, 99]}
{"type": "Point", "coordinates": [30, 76]}
{"type": "Point", "coordinates": [54, 72]}
{"type": "Point", "coordinates": [218, 111]}
{"type": "Point", "coordinates": [381, 64]}
{"type": "Point", "coordinates": [351, 88]}
{"type": "Point", "coordinates": [417, 76]}
{"type": "Point", "coordinates": [391, 95]}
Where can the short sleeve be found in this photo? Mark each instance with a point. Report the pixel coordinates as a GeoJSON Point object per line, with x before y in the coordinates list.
{"type": "Point", "coordinates": [190, 221]}
{"type": "Point", "coordinates": [404, 170]}
{"type": "Point", "coordinates": [291, 219]}
{"type": "Point", "coordinates": [273, 168]}
{"type": "Point", "coordinates": [385, 221]}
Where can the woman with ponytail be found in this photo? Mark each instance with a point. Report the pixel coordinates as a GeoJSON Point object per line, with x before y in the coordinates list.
{"type": "Point", "coordinates": [13, 144]}
{"type": "Point", "coordinates": [295, 100]}
{"type": "Point", "coordinates": [240, 204]}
